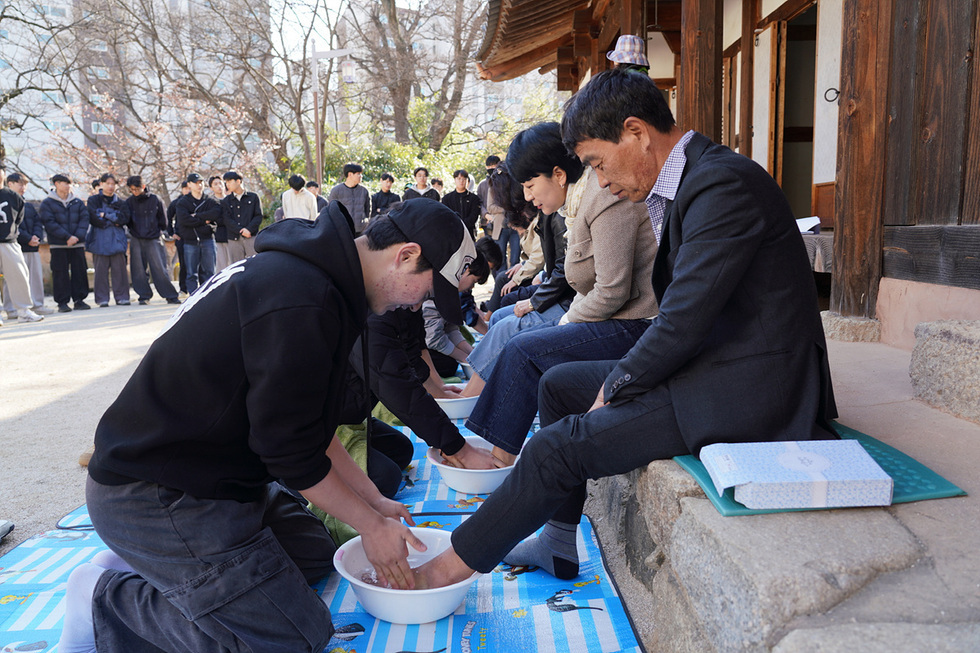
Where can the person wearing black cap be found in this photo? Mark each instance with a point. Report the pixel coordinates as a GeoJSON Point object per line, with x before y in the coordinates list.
{"type": "Point", "coordinates": [211, 553]}
{"type": "Point", "coordinates": [241, 212]}
{"type": "Point", "coordinates": [197, 214]}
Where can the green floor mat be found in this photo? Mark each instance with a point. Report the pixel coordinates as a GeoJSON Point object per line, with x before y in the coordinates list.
{"type": "Point", "coordinates": [913, 480]}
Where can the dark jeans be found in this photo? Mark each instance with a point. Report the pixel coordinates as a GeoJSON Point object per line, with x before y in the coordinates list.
{"type": "Point", "coordinates": [571, 447]}
{"type": "Point", "coordinates": [145, 252]}
{"type": "Point", "coordinates": [506, 407]}
{"type": "Point", "coordinates": [69, 274]}
{"type": "Point", "coordinates": [210, 575]}
{"type": "Point", "coordinates": [200, 259]}
{"type": "Point", "coordinates": [510, 237]}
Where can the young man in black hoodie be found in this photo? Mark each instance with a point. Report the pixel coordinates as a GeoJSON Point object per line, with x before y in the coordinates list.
{"type": "Point", "coordinates": [197, 215]}
{"type": "Point", "coordinates": [148, 221]}
{"type": "Point", "coordinates": [244, 388]}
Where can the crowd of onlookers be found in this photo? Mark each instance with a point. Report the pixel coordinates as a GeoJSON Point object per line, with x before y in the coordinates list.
{"type": "Point", "coordinates": [213, 222]}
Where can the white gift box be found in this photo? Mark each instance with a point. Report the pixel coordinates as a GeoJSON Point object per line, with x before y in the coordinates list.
{"type": "Point", "coordinates": [807, 474]}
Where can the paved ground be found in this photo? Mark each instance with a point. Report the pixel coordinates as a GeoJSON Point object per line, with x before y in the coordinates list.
{"type": "Point", "coordinates": [58, 376]}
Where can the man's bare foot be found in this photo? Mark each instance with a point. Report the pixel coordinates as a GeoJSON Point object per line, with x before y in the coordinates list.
{"type": "Point", "coordinates": [474, 386]}
{"type": "Point", "coordinates": [504, 457]}
{"type": "Point", "coordinates": [445, 569]}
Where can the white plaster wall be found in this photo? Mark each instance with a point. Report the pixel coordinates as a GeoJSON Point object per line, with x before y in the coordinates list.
{"type": "Point", "coordinates": [769, 6]}
{"type": "Point", "coordinates": [660, 55]}
{"type": "Point", "coordinates": [732, 26]}
{"type": "Point", "coordinates": [760, 97]}
{"type": "Point", "coordinates": [828, 76]}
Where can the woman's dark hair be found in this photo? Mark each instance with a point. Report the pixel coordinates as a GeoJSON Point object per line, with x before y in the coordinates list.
{"type": "Point", "coordinates": [538, 150]}
{"type": "Point", "coordinates": [382, 233]}
{"type": "Point", "coordinates": [508, 194]}
{"type": "Point", "coordinates": [600, 109]}
{"type": "Point", "coordinates": [296, 182]}
{"type": "Point", "coordinates": [480, 268]}
{"type": "Point", "coordinates": [491, 252]}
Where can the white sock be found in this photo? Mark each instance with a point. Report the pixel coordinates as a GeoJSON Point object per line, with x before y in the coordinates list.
{"type": "Point", "coordinates": [78, 634]}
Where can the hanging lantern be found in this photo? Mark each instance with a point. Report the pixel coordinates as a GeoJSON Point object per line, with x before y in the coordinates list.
{"type": "Point", "coordinates": [348, 71]}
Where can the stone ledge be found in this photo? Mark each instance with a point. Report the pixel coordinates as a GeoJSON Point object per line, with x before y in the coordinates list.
{"type": "Point", "coordinates": [945, 366]}
{"type": "Point", "coordinates": [850, 329]}
{"type": "Point", "coordinates": [884, 638]}
{"type": "Point", "coordinates": [738, 583]}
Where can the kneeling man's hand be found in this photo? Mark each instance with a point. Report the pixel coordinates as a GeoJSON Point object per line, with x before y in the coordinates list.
{"type": "Point", "coordinates": [470, 457]}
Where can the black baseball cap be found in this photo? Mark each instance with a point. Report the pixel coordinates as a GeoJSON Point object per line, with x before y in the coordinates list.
{"type": "Point", "coordinates": [445, 244]}
{"type": "Point", "coordinates": [194, 177]}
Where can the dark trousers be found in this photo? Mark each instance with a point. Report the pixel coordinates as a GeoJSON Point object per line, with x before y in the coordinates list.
{"type": "Point", "coordinates": [181, 268]}
{"type": "Point", "coordinates": [390, 452]}
{"type": "Point", "coordinates": [69, 274]}
{"type": "Point", "coordinates": [499, 281]}
{"type": "Point", "coordinates": [111, 268]}
{"type": "Point", "coordinates": [210, 574]}
{"type": "Point", "coordinates": [510, 237]}
{"type": "Point", "coordinates": [571, 447]}
{"type": "Point", "coordinates": [149, 252]}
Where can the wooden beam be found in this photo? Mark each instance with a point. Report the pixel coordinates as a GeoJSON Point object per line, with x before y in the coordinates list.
{"type": "Point", "coordinates": [526, 62]}
{"type": "Point", "coordinates": [631, 19]}
{"type": "Point", "coordinates": [945, 255]}
{"type": "Point", "coordinates": [750, 17]}
{"type": "Point", "coordinates": [699, 105]}
{"type": "Point", "coordinates": [789, 10]}
{"type": "Point", "coordinates": [971, 173]}
{"type": "Point", "coordinates": [865, 62]}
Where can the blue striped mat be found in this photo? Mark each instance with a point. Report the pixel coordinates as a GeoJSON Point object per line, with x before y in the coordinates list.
{"type": "Point", "coordinates": [507, 610]}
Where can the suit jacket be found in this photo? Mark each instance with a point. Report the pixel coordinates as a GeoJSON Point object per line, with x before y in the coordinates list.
{"type": "Point", "coordinates": [738, 342]}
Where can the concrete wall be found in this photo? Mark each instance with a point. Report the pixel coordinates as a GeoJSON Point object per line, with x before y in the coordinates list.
{"type": "Point", "coordinates": [904, 304]}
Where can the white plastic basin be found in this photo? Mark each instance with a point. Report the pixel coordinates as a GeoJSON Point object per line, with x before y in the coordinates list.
{"type": "Point", "coordinates": [402, 606]}
{"type": "Point", "coordinates": [458, 408]}
{"type": "Point", "coordinates": [470, 481]}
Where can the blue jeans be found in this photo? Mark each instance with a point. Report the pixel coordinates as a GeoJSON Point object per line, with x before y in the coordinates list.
{"type": "Point", "coordinates": [199, 255]}
{"type": "Point", "coordinates": [210, 574]}
{"type": "Point", "coordinates": [510, 237]}
{"type": "Point", "coordinates": [504, 325]}
{"type": "Point", "coordinates": [507, 406]}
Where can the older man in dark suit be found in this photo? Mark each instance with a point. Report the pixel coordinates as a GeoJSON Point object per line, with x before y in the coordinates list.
{"type": "Point", "coordinates": [737, 353]}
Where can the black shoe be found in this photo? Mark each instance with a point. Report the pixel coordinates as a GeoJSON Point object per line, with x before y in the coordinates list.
{"type": "Point", "coordinates": [144, 302]}
{"type": "Point", "coordinates": [64, 308]}
{"type": "Point", "coordinates": [122, 303]}
{"type": "Point", "coordinates": [103, 305]}
{"type": "Point", "coordinates": [173, 300]}
{"type": "Point", "coordinates": [81, 306]}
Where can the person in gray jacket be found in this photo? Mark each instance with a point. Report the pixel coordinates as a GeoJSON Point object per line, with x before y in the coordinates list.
{"type": "Point", "coordinates": [355, 198]}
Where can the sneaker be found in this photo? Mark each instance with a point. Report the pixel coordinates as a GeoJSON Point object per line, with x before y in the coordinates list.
{"type": "Point", "coordinates": [173, 300]}
{"type": "Point", "coordinates": [144, 302]}
{"type": "Point", "coordinates": [102, 305]}
{"type": "Point", "coordinates": [182, 296]}
{"type": "Point", "coordinates": [43, 310]}
{"type": "Point", "coordinates": [30, 316]}
{"type": "Point", "coordinates": [64, 308]}
{"type": "Point", "coordinates": [123, 303]}
{"type": "Point", "coordinates": [81, 306]}
{"type": "Point", "coordinates": [12, 316]}
{"type": "Point", "coordinates": [5, 528]}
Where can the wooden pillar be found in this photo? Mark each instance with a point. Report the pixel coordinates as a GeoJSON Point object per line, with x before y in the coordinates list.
{"type": "Point", "coordinates": [750, 18]}
{"type": "Point", "coordinates": [861, 156]}
{"type": "Point", "coordinates": [699, 105]}
{"type": "Point", "coordinates": [631, 19]}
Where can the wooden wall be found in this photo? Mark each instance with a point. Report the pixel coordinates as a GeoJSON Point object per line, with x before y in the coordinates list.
{"type": "Point", "coordinates": [908, 179]}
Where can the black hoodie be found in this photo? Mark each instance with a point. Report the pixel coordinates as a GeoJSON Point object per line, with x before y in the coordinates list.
{"type": "Point", "coordinates": [220, 417]}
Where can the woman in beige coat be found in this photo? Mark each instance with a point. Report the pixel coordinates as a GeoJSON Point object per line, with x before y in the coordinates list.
{"type": "Point", "coordinates": [608, 262]}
